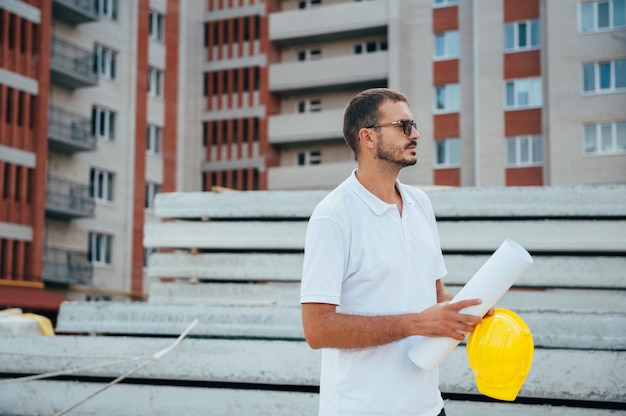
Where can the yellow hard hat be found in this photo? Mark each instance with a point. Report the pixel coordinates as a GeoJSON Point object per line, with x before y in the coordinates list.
{"type": "Point", "coordinates": [43, 323]}
{"type": "Point", "coordinates": [500, 353]}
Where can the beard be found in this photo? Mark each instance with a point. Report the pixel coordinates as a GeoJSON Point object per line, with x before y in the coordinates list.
{"type": "Point", "coordinates": [394, 154]}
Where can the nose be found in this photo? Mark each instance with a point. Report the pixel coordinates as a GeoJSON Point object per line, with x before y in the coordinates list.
{"type": "Point", "coordinates": [415, 134]}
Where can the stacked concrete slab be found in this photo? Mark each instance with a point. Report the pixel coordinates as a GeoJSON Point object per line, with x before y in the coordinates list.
{"type": "Point", "coordinates": [233, 261]}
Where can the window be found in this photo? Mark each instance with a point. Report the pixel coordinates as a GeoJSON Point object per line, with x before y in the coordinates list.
{"type": "Point", "coordinates": [106, 8]}
{"type": "Point", "coordinates": [524, 150]}
{"type": "Point", "coordinates": [101, 185]}
{"type": "Point", "coordinates": [312, 105]}
{"type": "Point", "coordinates": [447, 98]}
{"type": "Point", "coordinates": [309, 157]}
{"type": "Point", "coordinates": [100, 250]}
{"type": "Point", "coordinates": [155, 25]}
{"type": "Point", "coordinates": [105, 62]}
{"type": "Point", "coordinates": [447, 44]}
{"type": "Point", "coordinates": [147, 252]}
{"type": "Point", "coordinates": [523, 93]}
{"type": "Point", "coordinates": [605, 138]}
{"type": "Point", "coordinates": [153, 139]}
{"type": "Point", "coordinates": [103, 124]}
{"type": "Point", "coordinates": [604, 76]}
{"type": "Point", "coordinates": [602, 15]}
{"type": "Point", "coordinates": [310, 54]}
{"type": "Point", "coordinates": [155, 80]}
{"type": "Point", "coordinates": [305, 4]}
{"type": "Point", "coordinates": [444, 2]}
{"type": "Point", "coordinates": [370, 46]}
{"type": "Point", "coordinates": [522, 35]}
{"type": "Point", "coordinates": [151, 190]}
{"type": "Point", "coordinates": [448, 153]}
{"type": "Point", "coordinates": [20, 108]}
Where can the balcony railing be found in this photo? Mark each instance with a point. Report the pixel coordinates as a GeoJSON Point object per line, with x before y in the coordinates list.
{"type": "Point", "coordinates": [346, 20]}
{"type": "Point", "coordinates": [67, 200]}
{"type": "Point", "coordinates": [69, 132]}
{"type": "Point", "coordinates": [71, 66]}
{"type": "Point", "coordinates": [319, 127]}
{"type": "Point", "coordinates": [330, 74]}
{"type": "Point", "coordinates": [66, 267]}
{"type": "Point", "coordinates": [74, 12]}
{"type": "Point", "coordinates": [324, 176]}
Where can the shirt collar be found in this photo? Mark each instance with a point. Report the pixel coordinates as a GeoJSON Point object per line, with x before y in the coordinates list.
{"type": "Point", "coordinates": [377, 205]}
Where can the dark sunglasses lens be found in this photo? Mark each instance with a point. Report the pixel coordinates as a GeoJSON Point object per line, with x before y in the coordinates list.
{"type": "Point", "coordinates": [407, 125]}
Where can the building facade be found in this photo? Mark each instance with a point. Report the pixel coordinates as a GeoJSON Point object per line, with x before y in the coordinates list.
{"type": "Point", "coordinates": [105, 103]}
{"type": "Point", "coordinates": [24, 84]}
{"type": "Point", "coordinates": [89, 104]}
{"type": "Point", "coordinates": [505, 93]}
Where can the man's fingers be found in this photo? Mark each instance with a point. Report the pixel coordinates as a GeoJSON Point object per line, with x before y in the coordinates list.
{"type": "Point", "coordinates": [471, 319]}
{"type": "Point", "coordinates": [465, 303]}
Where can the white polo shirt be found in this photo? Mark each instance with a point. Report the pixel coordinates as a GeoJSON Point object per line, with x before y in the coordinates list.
{"type": "Point", "coordinates": [362, 256]}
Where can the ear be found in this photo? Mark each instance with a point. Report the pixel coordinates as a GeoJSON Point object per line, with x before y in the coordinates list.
{"type": "Point", "coordinates": [366, 138]}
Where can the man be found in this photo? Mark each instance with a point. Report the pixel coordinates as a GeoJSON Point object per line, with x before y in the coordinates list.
{"type": "Point", "coordinates": [372, 273]}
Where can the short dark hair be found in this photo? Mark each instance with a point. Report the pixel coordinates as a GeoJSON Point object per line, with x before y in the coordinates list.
{"type": "Point", "coordinates": [363, 111]}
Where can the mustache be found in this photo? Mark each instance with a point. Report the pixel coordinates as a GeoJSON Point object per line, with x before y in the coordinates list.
{"type": "Point", "coordinates": [411, 143]}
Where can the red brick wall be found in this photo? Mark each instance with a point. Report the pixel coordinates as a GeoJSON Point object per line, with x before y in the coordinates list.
{"type": "Point", "coordinates": [446, 72]}
{"type": "Point", "coordinates": [229, 139]}
{"type": "Point", "coordinates": [522, 64]}
{"type": "Point", "coordinates": [520, 122]}
{"type": "Point", "coordinates": [24, 49]}
{"type": "Point", "coordinates": [445, 18]}
{"type": "Point", "coordinates": [19, 43]}
{"type": "Point", "coordinates": [447, 177]}
{"type": "Point", "coordinates": [520, 9]}
{"type": "Point", "coordinates": [529, 176]}
{"type": "Point", "coordinates": [170, 95]}
{"type": "Point", "coordinates": [141, 111]}
{"type": "Point", "coordinates": [446, 125]}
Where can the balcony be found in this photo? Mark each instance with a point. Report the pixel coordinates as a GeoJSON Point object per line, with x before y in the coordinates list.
{"type": "Point", "coordinates": [330, 74]}
{"type": "Point", "coordinates": [74, 12]}
{"type": "Point", "coordinates": [67, 200]}
{"type": "Point", "coordinates": [66, 267]}
{"type": "Point", "coordinates": [324, 176]}
{"type": "Point", "coordinates": [325, 23]}
{"type": "Point", "coordinates": [68, 132]}
{"type": "Point", "coordinates": [71, 66]}
{"type": "Point", "coordinates": [306, 128]}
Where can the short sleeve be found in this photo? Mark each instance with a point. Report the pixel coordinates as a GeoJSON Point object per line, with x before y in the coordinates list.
{"type": "Point", "coordinates": [325, 258]}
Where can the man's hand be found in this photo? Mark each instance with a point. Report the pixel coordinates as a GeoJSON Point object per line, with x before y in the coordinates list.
{"type": "Point", "coordinates": [445, 320]}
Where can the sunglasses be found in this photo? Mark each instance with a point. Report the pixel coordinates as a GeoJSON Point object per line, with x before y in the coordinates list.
{"type": "Point", "coordinates": [407, 125]}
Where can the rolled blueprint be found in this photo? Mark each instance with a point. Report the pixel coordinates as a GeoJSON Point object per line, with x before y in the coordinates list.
{"type": "Point", "coordinates": [489, 283]}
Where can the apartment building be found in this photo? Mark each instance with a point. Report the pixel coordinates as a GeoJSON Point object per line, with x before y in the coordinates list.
{"type": "Point", "coordinates": [88, 135]}
{"type": "Point", "coordinates": [104, 103]}
{"type": "Point", "coordinates": [24, 80]}
{"type": "Point", "coordinates": [236, 97]}
{"type": "Point", "coordinates": [505, 93]}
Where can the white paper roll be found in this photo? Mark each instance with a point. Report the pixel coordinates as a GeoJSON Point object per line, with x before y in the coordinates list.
{"type": "Point", "coordinates": [489, 283]}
